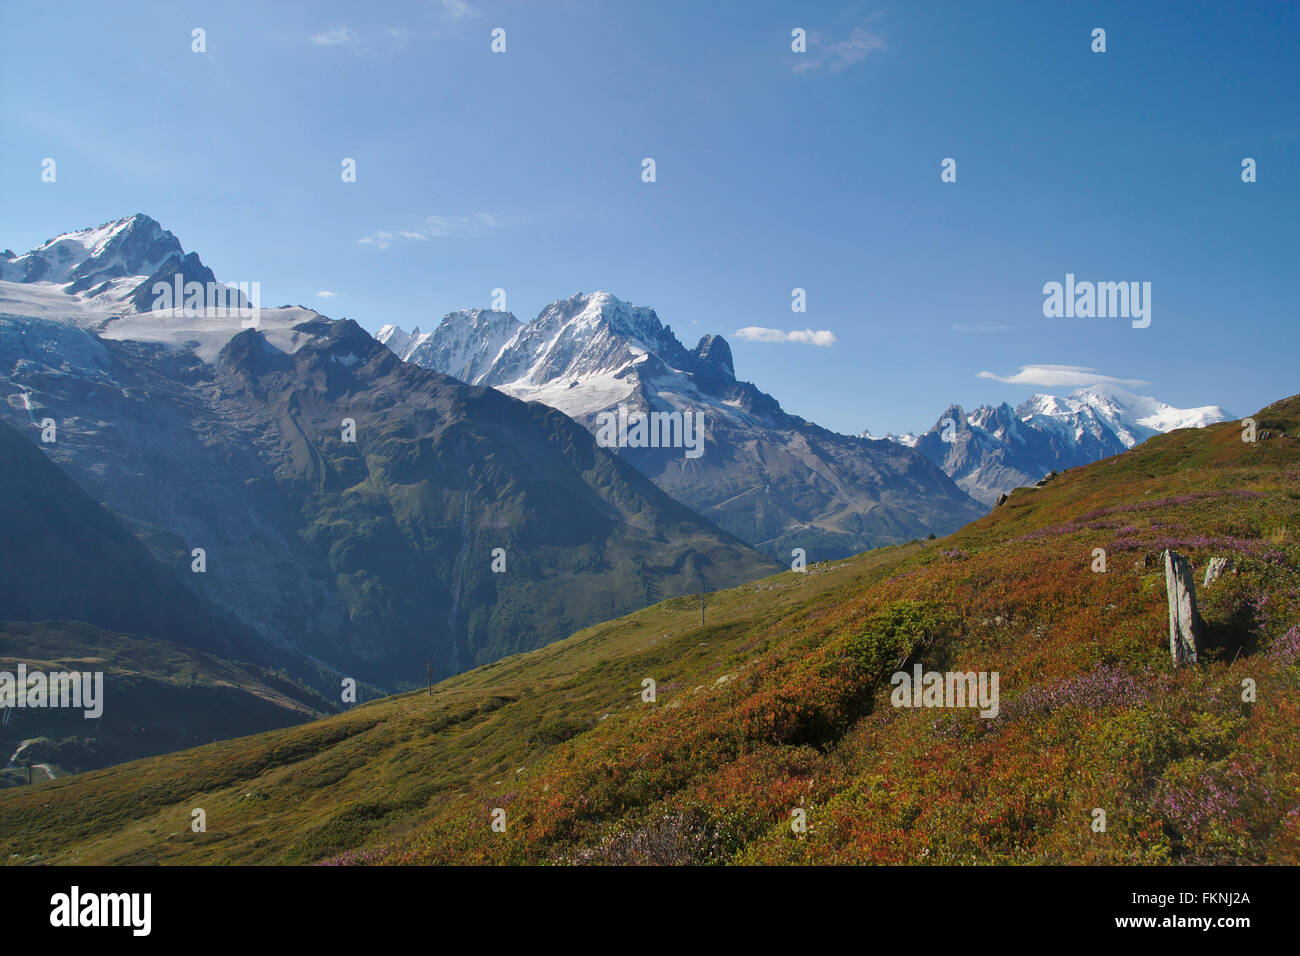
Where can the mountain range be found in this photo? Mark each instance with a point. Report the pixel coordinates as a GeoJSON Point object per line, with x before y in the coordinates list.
{"type": "Point", "coordinates": [773, 479]}
{"type": "Point", "coordinates": [994, 449]}
{"type": "Point", "coordinates": [357, 516]}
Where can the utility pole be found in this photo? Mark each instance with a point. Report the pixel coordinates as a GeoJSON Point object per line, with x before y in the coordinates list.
{"type": "Point", "coordinates": [429, 668]}
{"type": "Point", "coordinates": [702, 603]}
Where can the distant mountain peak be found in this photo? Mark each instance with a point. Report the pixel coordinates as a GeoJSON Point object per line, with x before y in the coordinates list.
{"type": "Point", "coordinates": [1132, 418]}
{"type": "Point", "coordinates": [586, 312]}
{"type": "Point", "coordinates": [109, 255]}
{"type": "Point", "coordinates": [907, 438]}
{"type": "Point", "coordinates": [999, 447]}
{"type": "Point", "coordinates": [396, 339]}
{"type": "Point", "coordinates": [463, 345]}
{"type": "Point", "coordinates": [106, 266]}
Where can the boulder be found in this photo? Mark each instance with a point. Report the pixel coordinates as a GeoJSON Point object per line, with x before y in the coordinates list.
{"type": "Point", "coordinates": [1002, 499]}
{"type": "Point", "coordinates": [1185, 625]}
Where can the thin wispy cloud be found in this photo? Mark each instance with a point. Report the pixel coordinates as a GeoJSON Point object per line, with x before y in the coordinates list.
{"type": "Point", "coordinates": [383, 42]}
{"type": "Point", "coordinates": [434, 227]}
{"type": "Point", "coordinates": [837, 55]}
{"type": "Point", "coordinates": [1060, 376]}
{"type": "Point", "coordinates": [339, 36]}
{"type": "Point", "coordinates": [458, 9]}
{"type": "Point", "coordinates": [326, 294]}
{"type": "Point", "coordinates": [756, 333]}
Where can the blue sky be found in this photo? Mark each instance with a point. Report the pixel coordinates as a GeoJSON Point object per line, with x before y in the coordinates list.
{"type": "Point", "coordinates": [775, 170]}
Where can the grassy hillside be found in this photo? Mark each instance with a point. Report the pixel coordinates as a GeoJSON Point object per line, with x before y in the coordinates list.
{"type": "Point", "coordinates": [781, 702]}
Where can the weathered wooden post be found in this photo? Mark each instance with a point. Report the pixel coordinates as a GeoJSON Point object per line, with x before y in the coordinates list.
{"type": "Point", "coordinates": [1185, 625]}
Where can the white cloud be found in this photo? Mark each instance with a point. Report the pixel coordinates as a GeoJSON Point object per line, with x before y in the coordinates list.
{"type": "Point", "coordinates": [380, 239]}
{"type": "Point", "coordinates": [435, 227]}
{"type": "Point", "coordinates": [326, 294]}
{"type": "Point", "coordinates": [756, 333]}
{"type": "Point", "coordinates": [339, 36]}
{"type": "Point", "coordinates": [838, 54]}
{"type": "Point", "coordinates": [439, 227]}
{"type": "Point", "coordinates": [456, 9]}
{"type": "Point", "coordinates": [1060, 375]}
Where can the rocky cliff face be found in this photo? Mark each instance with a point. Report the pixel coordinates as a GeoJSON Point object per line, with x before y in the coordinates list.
{"type": "Point", "coordinates": [463, 346]}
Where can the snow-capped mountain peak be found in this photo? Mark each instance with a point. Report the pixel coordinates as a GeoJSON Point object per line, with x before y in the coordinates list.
{"type": "Point", "coordinates": [586, 335]}
{"type": "Point", "coordinates": [577, 355]}
{"type": "Point", "coordinates": [1119, 406]}
{"type": "Point", "coordinates": [101, 280]}
{"type": "Point", "coordinates": [463, 345]}
{"type": "Point", "coordinates": [1131, 418]}
{"type": "Point", "coordinates": [907, 438]}
{"type": "Point", "coordinates": [98, 261]}
{"type": "Point", "coordinates": [997, 448]}
{"type": "Point", "coordinates": [580, 354]}
{"type": "Point", "coordinates": [397, 340]}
